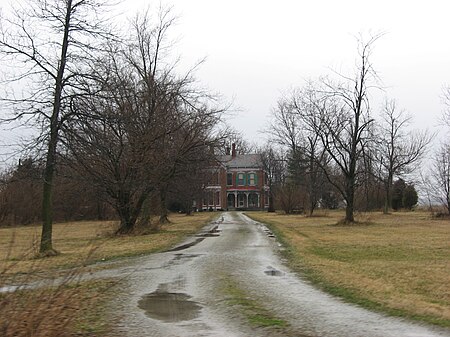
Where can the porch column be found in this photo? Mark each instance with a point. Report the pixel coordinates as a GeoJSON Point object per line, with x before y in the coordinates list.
{"type": "Point", "coordinates": [235, 200]}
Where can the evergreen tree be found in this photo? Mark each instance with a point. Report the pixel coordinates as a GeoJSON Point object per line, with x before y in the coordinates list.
{"type": "Point", "coordinates": [397, 194]}
{"type": "Point", "coordinates": [410, 197]}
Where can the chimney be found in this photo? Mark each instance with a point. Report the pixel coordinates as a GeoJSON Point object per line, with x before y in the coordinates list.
{"type": "Point", "coordinates": [227, 150]}
{"type": "Point", "coordinates": [233, 150]}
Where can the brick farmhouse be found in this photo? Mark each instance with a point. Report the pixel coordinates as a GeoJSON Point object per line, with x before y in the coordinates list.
{"type": "Point", "coordinates": [237, 183]}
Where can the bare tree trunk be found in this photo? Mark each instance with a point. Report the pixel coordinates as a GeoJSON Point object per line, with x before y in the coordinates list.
{"type": "Point", "coordinates": [44, 60]}
{"type": "Point", "coordinates": [163, 219]}
{"type": "Point", "coordinates": [46, 247]}
{"type": "Point", "coordinates": [350, 196]}
{"type": "Point", "coordinates": [47, 224]}
{"type": "Point", "coordinates": [387, 197]}
{"type": "Point", "coordinates": [126, 224]}
{"type": "Point", "coordinates": [312, 184]}
{"type": "Point", "coordinates": [312, 206]}
{"type": "Point", "coordinates": [271, 208]}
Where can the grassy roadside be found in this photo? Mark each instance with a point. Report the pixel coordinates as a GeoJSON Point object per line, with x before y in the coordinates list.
{"type": "Point", "coordinates": [254, 312]}
{"type": "Point", "coordinates": [78, 309]}
{"type": "Point", "coordinates": [88, 242]}
{"type": "Point", "coordinates": [397, 263]}
{"type": "Point", "coordinates": [73, 309]}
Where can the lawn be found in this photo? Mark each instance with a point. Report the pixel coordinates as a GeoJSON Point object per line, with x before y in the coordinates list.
{"type": "Point", "coordinates": [81, 243]}
{"type": "Point", "coordinates": [397, 263]}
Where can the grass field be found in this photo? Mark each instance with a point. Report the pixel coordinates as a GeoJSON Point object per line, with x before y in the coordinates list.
{"type": "Point", "coordinates": [88, 242]}
{"type": "Point", "coordinates": [79, 309]}
{"type": "Point", "coordinates": [397, 263]}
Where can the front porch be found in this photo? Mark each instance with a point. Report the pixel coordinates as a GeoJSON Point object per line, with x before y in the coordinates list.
{"type": "Point", "coordinates": [243, 200]}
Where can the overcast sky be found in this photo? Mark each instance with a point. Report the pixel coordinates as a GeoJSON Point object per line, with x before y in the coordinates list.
{"type": "Point", "coordinates": [255, 50]}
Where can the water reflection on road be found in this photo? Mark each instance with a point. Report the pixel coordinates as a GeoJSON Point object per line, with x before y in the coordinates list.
{"type": "Point", "coordinates": [181, 292]}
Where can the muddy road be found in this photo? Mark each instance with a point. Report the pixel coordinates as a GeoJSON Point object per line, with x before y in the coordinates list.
{"type": "Point", "coordinates": [229, 280]}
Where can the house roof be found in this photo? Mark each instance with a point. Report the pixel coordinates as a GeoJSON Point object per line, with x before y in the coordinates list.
{"type": "Point", "coordinates": [241, 161]}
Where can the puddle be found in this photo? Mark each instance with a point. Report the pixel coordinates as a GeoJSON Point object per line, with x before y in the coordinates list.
{"type": "Point", "coordinates": [169, 307]}
{"type": "Point", "coordinates": [187, 245]}
{"type": "Point", "coordinates": [180, 256]}
{"type": "Point", "coordinates": [215, 232]}
{"type": "Point", "coordinates": [200, 237]}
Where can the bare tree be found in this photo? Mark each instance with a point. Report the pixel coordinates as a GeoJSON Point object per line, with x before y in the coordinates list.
{"type": "Point", "coordinates": [370, 195]}
{"type": "Point", "coordinates": [397, 151]}
{"type": "Point", "coordinates": [440, 174]}
{"type": "Point", "coordinates": [274, 165]}
{"type": "Point", "coordinates": [446, 101]}
{"type": "Point", "coordinates": [143, 125]}
{"type": "Point", "coordinates": [286, 128]}
{"type": "Point", "coordinates": [230, 136]}
{"type": "Point", "coordinates": [292, 129]}
{"type": "Point", "coordinates": [188, 149]}
{"type": "Point", "coordinates": [310, 154]}
{"type": "Point", "coordinates": [49, 40]}
{"type": "Point", "coordinates": [344, 124]}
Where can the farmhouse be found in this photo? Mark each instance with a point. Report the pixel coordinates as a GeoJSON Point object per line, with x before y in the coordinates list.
{"type": "Point", "coordinates": [237, 183]}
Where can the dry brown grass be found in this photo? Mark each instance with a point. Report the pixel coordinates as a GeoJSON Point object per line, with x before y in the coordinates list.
{"type": "Point", "coordinates": [87, 242]}
{"type": "Point", "coordinates": [63, 310]}
{"type": "Point", "coordinates": [72, 308]}
{"type": "Point", "coordinates": [399, 263]}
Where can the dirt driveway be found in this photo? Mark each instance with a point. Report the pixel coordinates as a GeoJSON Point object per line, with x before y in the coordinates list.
{"type": "Point", "coordinates": [229, 280]}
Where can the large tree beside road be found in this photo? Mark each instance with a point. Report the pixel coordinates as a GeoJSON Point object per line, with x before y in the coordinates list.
{"type": "Point", "coordinates": [45, 45]}
{"type": "Point", "coordinates": [142, 125]}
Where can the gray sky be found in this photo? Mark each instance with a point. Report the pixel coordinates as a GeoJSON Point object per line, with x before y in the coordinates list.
{"type": "Point", "coordinates": [255, 50]}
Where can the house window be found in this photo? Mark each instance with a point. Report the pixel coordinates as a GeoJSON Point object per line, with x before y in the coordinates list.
{"type": "Point", "coordinates": [252, 179]}
{"type": "Point", "coordinates": [241, 179]}
{"type": "Point", "coordinates": [229, 179]}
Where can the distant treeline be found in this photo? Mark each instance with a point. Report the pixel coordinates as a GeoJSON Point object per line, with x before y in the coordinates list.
{"type": "Point", "coordinates": [74, 197]}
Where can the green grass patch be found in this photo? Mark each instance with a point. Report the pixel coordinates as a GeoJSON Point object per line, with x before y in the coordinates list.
{"type": "Point", "coordinates": [94, 320]}
{"type": "Point", "coordinates": [255, 313]}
